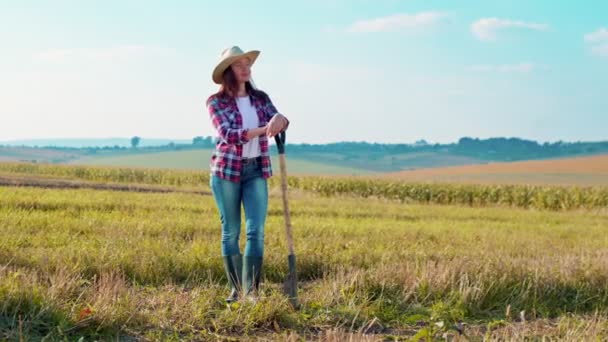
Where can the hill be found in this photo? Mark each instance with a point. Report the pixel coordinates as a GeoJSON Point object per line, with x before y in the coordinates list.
{"type": "Point", "coordinates": [199, 159]}
{"type": "Point", "coordinates": [342, 158]}
{"type": "Point", "coordinates": [89, 142]}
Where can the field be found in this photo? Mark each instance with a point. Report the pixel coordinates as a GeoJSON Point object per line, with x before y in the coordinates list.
{"type": "Point", "coordinates": [199, 159]}
{"type": "Point", "coordinates": [13, 154]}
{"type": "Point", "coordinates": [377, 260]}
{"type": "Point", "coordinates": [588, 170]}
{"type": "Point", "coordinates": [319, 163]}
{"type": "Point", "coordinates": [440, 166]}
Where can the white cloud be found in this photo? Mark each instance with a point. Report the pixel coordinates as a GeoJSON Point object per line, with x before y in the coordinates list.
{"type": "Point", "coordinates": [523, 68]}
{"type": "Point", "coordinates": [601, 35]}
{"type": "Point", "coordinates": [97, 54]}
{"type": "Point", "coordinates": [598, 41]}
{"type": "Point", "coordinates": [486, 28]}
{"type": "Point", "coordinates": [600, 50]}
{"type": "Point", "coordinates": [397, 22]}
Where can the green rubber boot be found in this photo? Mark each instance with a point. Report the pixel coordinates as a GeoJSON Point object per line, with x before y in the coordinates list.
{"type": "Point", "coordinates": [252, 273]}
{"type": "Point", "coordinates": [233, 265]}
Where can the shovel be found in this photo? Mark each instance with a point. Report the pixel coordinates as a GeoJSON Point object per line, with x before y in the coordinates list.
{"type": "Point", "coordinates": [290, 286]}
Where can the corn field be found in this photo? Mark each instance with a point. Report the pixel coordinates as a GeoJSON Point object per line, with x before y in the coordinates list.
{"type": "Point", "coordinates": [544, 197]}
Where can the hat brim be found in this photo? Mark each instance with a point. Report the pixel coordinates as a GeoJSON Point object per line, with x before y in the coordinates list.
{"type": "Point", "coordinates": [218, 72]}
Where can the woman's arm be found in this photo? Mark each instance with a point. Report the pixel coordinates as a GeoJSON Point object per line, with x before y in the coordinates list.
{"type": "Point", "coordinates": [234, 136]}
{"type": "Point", "coordinates": [256, 132]}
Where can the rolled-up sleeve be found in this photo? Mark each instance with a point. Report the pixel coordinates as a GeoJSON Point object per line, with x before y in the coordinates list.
{"type": "Point", "coordinates": [221, 123]}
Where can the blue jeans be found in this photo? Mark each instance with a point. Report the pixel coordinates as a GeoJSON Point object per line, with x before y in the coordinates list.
{"type": "Point", "coordinates": [252, 191]}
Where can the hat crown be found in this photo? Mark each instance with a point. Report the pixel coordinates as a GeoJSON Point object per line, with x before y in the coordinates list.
{"type": "Point", "coordinates": [231, 51]}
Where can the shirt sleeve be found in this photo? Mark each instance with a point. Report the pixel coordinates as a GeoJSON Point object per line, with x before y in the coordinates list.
{"type": "Point", "coordinates": [221, 123]}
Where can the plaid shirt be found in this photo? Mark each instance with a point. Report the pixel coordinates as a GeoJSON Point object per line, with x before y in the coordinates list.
{"type": "Point", "coordinates": [228, 123]}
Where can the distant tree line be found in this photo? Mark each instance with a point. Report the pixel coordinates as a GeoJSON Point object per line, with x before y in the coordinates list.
{"type": "Point", "coordinates": [519, 149]}
{"type": "Point", "coordinates": [490, 149]}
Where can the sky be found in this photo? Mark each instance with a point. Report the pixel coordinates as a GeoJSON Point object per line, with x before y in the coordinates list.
{"type": "Point", "coordinates": [387, 71]}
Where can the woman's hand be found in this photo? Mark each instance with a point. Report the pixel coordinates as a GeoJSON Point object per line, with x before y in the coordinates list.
{"type": "Point", "coordinates": [277, 123]}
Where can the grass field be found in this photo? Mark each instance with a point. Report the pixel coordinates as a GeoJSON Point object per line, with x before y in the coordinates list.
{"type": "Point", "coordinates": [319, 163]}
{"type": "Point", "coordinates": [95, 263]}
{"type": "Point", "coordinates": [14, 154]}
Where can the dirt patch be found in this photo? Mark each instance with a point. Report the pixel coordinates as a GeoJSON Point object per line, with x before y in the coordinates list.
{"type": "Point", "coordinates": [54, 183]}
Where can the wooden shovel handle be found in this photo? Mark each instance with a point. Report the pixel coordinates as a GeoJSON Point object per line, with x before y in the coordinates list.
{"type": "Point", "coordinates": [280, 140]}
{"type": "Point", "coordinates": [286, 204]}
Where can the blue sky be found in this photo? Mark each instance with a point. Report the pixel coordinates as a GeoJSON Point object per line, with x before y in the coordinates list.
{"type": "Point", "coordinates": [341, 70]}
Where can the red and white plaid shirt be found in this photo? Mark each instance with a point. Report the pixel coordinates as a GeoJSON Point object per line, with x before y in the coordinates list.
{"type": "Point", "coordinates": [228, 123]}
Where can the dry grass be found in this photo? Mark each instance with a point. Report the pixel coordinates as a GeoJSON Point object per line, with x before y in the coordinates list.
{"type": "Point", "coordinates": [107, 264]}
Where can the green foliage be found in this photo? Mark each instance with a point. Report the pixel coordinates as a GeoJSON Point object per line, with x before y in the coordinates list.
{"type": "Point", "coordinates": [135, 141]}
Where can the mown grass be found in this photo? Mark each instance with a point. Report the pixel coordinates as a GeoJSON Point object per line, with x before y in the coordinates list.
{"type": "Point", "coordinates": [104, 264]}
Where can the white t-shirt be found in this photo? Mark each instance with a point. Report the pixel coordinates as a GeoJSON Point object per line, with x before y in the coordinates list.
{"type": "Point", "coordinates": [251, 149]}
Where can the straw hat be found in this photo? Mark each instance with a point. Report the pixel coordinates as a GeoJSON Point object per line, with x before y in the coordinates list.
{"type": "Point", "coordinates": [228, 56]}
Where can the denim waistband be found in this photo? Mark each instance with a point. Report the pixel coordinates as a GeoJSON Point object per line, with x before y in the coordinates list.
{"type": "Point", "coordinates": [248, 161]}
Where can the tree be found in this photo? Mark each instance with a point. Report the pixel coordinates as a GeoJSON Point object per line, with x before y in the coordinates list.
{"type": "Point", "coordinates": [135, 141]}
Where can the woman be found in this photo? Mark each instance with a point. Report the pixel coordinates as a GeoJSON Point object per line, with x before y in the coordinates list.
{"type": "Point", "coordinates": [244, 119]}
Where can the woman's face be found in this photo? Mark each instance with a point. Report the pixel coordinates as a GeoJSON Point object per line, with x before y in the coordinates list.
{"type": "Point", "coordinates": [242, 69]}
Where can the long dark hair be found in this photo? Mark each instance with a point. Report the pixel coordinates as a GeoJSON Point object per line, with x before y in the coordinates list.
{"type": "Point", "coordinates": [230, 86]}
